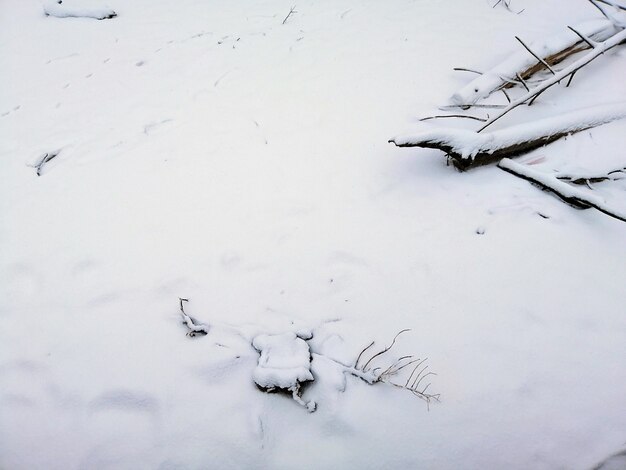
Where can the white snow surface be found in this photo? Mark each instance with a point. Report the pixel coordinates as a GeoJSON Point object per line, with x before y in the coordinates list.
{"type": "Point", "coordinates": [468, 143]}
{"type": "Point", "coordinates": [207, 151]}
{"type": "Point", "coordinates": [78, 9]}
{"type": "Point", "coordinates": [284, 361]}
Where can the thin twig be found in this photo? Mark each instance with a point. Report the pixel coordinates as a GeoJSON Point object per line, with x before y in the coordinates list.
{"type": "Point", "coordinates": [535, 55]}
{"type": "Point", "coordinates": [384, 350]}
{"type": "Point", "coordinates": [468, 106]}
{"type": "Point", "coordinates": [462, 69]}
{"type": "Point", "coordinates": [613, 4]}
{"type": "Point", "coordinates": [291, 12]}
{"type": "Point", "coordinates": [462, 116]}
{"type": "Point", "coordinates": [356, 364]}
{"type": "Point", "coordinates": [583, 37]}
{"type": "Point", "coordinates": [523, 82]}
{"type": "Point", "coordinates": [414, 369]}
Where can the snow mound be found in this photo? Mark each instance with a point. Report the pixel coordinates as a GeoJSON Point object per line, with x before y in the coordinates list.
{"type": "Point", "coordinates": [284, 363]}
{"type": "Point", "coordinates": [78, 9]}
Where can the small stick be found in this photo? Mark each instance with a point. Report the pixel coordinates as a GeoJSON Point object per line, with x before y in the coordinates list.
{"type": "Point", "coordinates": [462, 69]}
{"type": "Point", "coordinates": [523, 82]}
{"type": "Point", "coordinates": [291, 12]}
{"type": "Point", "coordinates": [361, 353]}
{"type": "Point", "coordinates": [584, 38]}
{"type": "Point", "coordinates": [455, 116]}
{"type": "Point", "coordinates": [536, 56]}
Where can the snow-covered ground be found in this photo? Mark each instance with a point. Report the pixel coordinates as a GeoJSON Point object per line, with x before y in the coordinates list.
{"type": "Point", "coordinates": [208, 151]}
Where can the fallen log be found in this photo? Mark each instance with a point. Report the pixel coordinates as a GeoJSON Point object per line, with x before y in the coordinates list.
{"type": "Point", "coordinates": [469, 149]}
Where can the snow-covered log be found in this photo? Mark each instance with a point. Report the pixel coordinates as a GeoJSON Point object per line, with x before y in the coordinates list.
{"type": "Point", "coordinates": [574, 196]}
{"type": "Point", "coordinates": [78, 9]}
{"type": "Point", "coordinates": [552, 50]}
{"type": "Point", "coordinates": [468, 148]}
{"type": "Point", "coordinates": [598, 49]}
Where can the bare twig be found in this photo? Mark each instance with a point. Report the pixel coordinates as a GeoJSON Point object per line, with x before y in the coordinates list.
{"type": "Point", "coordinates": [613, 4]}
{"type": "Point", "coordinates": [536, 56]}
{"type": "Point", "coordinates": [590, 43]}
{"type": "Point", "coordinates": [462, 69]}
{"type": "Point", "coordinates": [468, 106]}
{"type": "Point", "coordinates": [460, 116]}
{"type": "Point", "coordinates": [291, 12]}
{"type": "Point", "coordinates": [522, 81]}
{"type": "Point", "coordinates": [380, 353]}
{"type": "Point", "coordinates": [356, 364]}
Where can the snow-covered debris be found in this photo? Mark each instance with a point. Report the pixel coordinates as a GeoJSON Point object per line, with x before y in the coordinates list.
{"type": "Point", "coordinates": [284, 364]}
{"type": "Point", "coordinates": [485, 84]}
{"type": "Point", "coordinates": [469, 147]}
{"type": "Point", "coordinates": [45, 158]}
{"type": "Point", "coordinates": [568, 193]}
{"type": "Point", "coordinates": [78, 9]}
{"type": "Point", "coordinates": [194, 327]}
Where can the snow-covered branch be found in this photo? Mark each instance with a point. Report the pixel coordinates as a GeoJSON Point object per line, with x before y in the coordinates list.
{"type": "Point", "coordinates": [574, 196]}
{"type": "Point", "coordinates": [598, 49]}
{"type": "Point", "coordinates": [468, 148]}
{"type": "Point", "coordinates": [551, 50]}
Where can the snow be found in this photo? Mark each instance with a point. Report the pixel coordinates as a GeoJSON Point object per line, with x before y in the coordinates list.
{"type": "Point", "coordinates": [211, 153]}
{"type": "Point", "coordinates": [78, 9]}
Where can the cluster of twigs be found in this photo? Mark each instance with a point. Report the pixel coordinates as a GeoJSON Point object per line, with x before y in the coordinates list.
{"type": "Point", "coordinates": [416, 381]}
